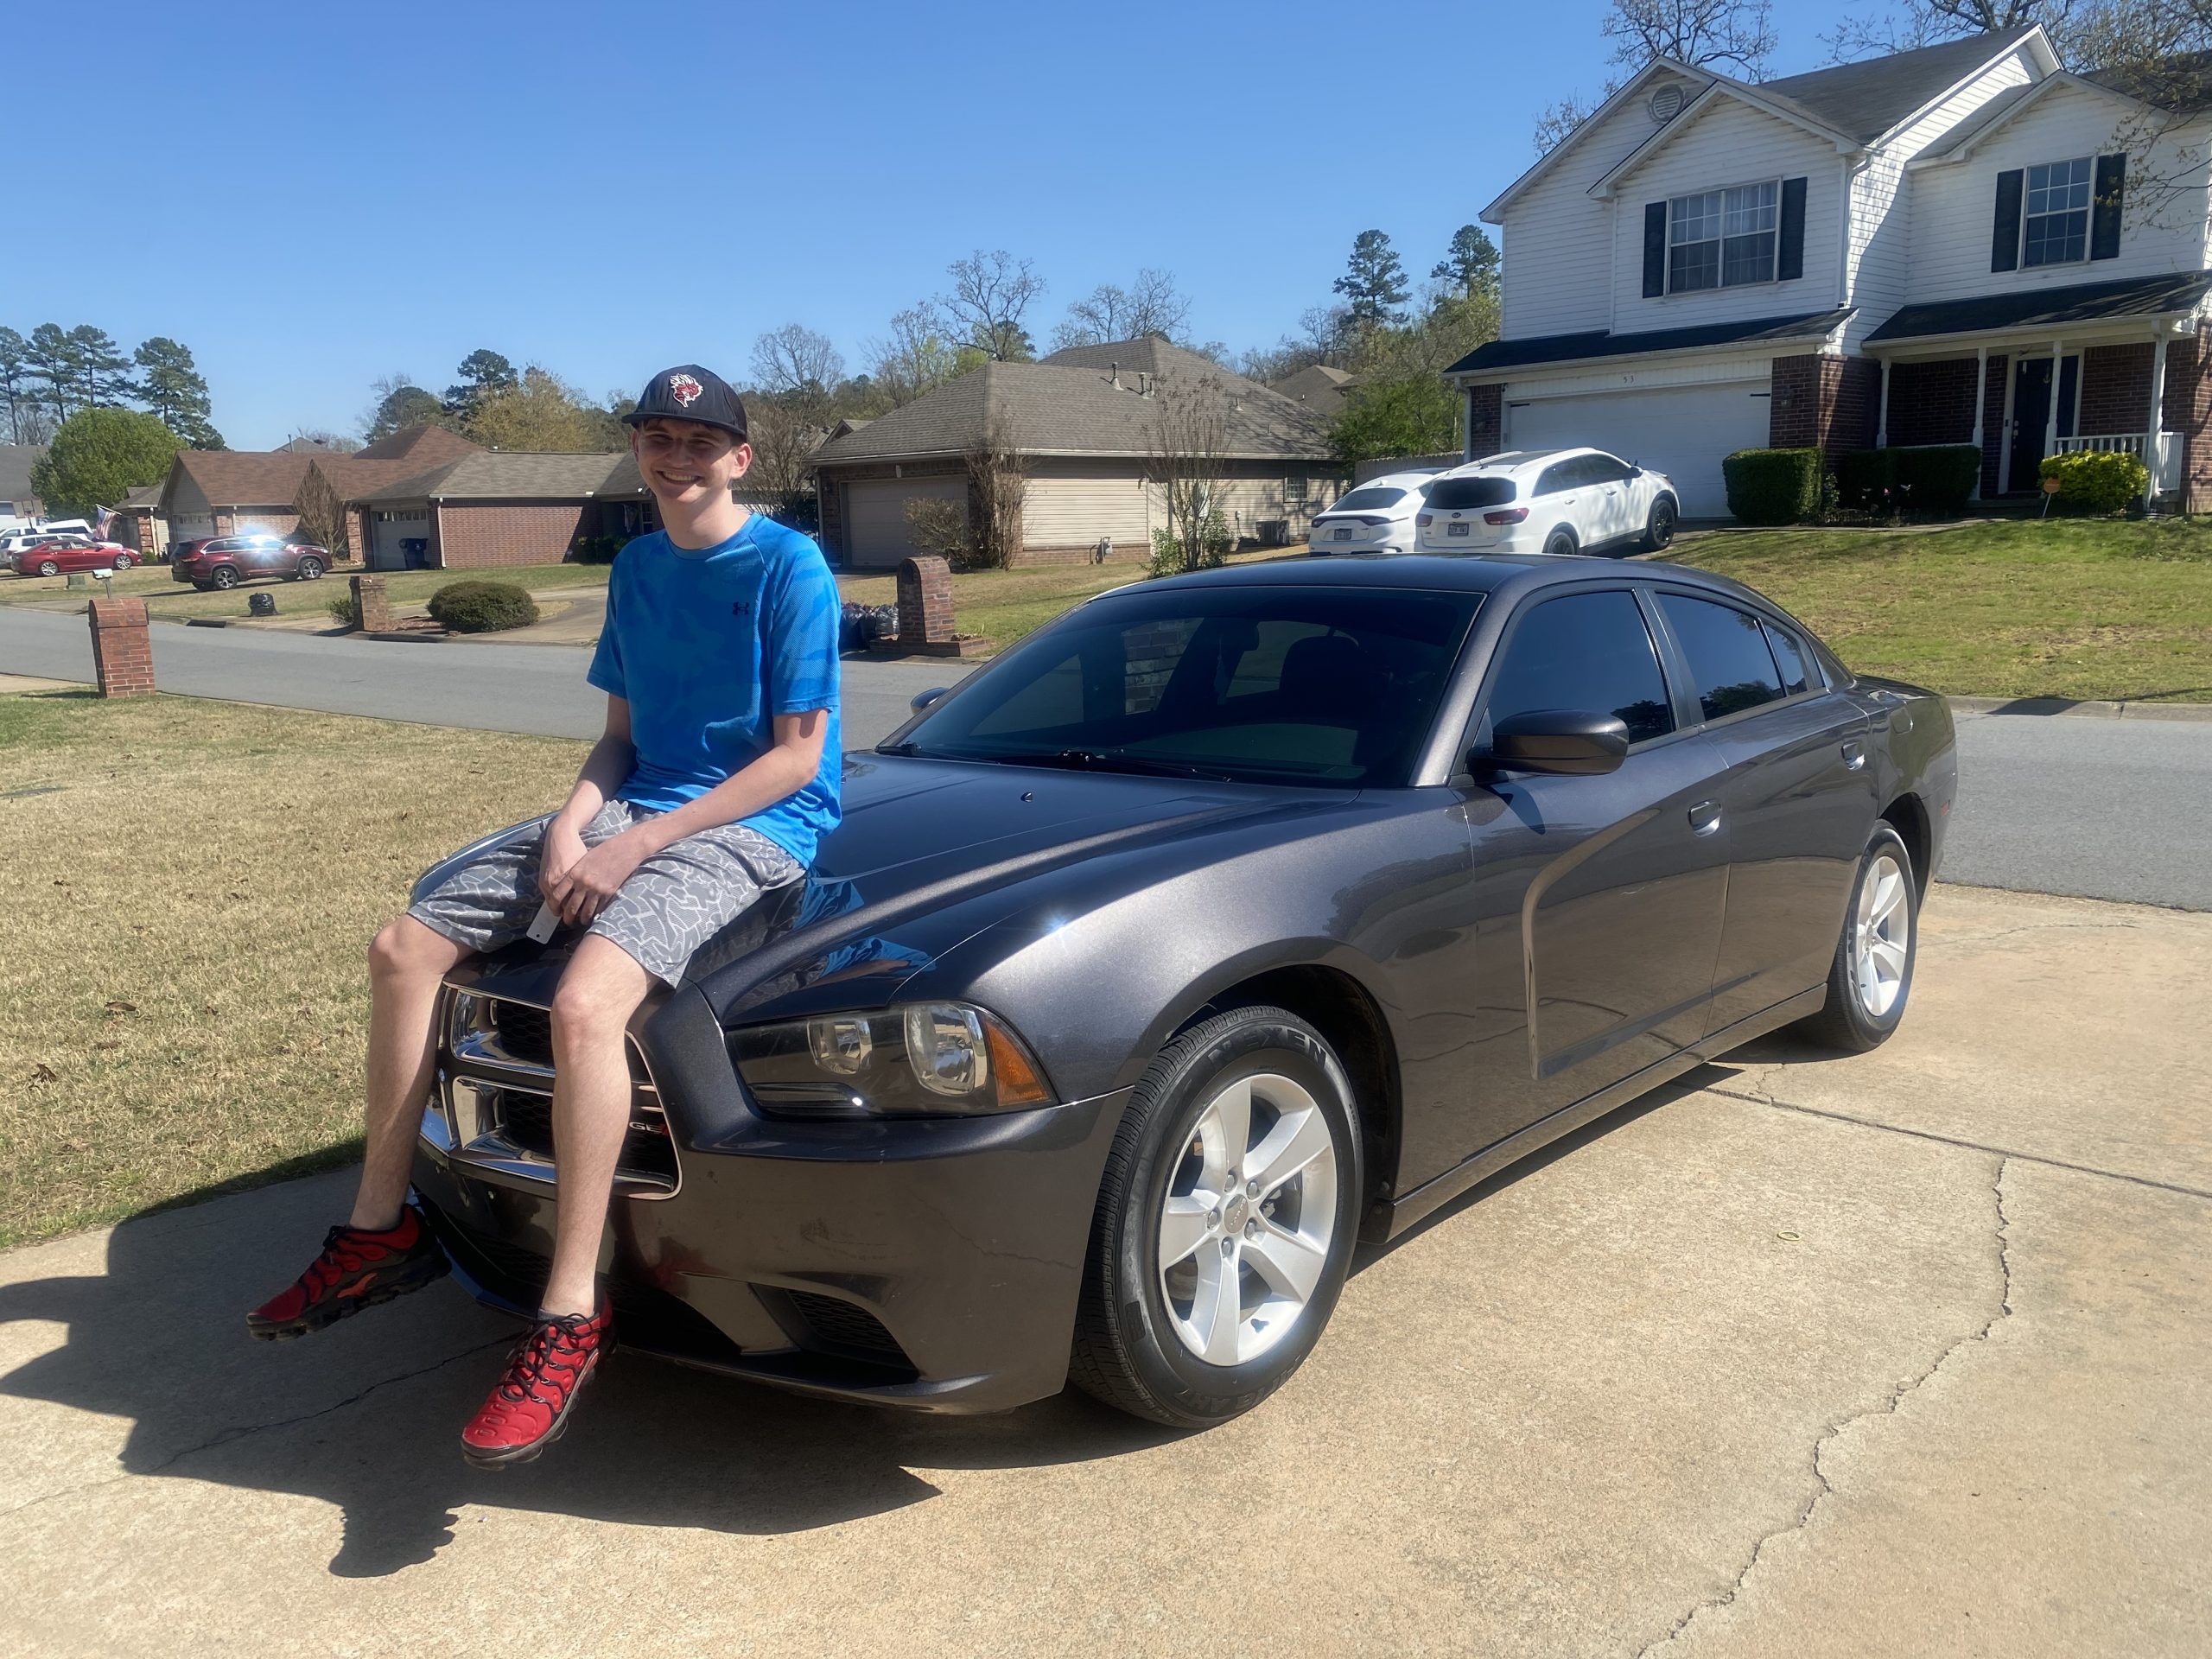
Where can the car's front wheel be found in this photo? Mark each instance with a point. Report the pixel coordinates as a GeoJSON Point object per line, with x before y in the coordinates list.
{"type": "Point", "coordinates": [1870, 978]}
{"type": "Point", "coordinates": [1225, 1222]}
{"type": "Point", "coordinates": [123, 560]}
{"type": "Point", "coordinates": [1659, 528]}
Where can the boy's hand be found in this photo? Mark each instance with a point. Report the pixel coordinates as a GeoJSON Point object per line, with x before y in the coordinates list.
{"type": "Point", "coordinates": [589, 885]}
{"type": "Point", "coordinates": [564, 846]}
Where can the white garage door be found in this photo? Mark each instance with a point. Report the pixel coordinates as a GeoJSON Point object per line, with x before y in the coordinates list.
{"type": "Point", "coordinates": [391, 530]}
{"type": "Point", "coordinates": [875, 533]}
{"type": "Point", "coordinates": [186, 527]}
{"type": "Point", "coordinates": [1683, 431]}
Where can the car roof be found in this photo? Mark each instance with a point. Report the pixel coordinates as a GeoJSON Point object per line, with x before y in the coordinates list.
{"type": "Point", "coordinates": [1507, 462]}
{"type": "Point", "coordinates": [1482, 574]}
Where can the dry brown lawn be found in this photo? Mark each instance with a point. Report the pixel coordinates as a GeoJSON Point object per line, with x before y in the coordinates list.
{"type": "Point", "coordinates": [192, 887]}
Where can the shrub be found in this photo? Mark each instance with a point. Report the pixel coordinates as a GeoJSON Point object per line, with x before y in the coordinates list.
{"type": "Point", "coordinates": [1215, 544]}
{"type": "Point", "coordinates": [482, 607]}
{"type": "Point", "coordinates": [597, 550]}
{"type": "Point", "coordinates": [1773, 487]}
{"type": "Point", "coordinates": [346, 611]}
{"type": "Point", "coordinates": [939, 526]}
{"type": "Point", "coordinates": [2096, 480]}
{"type": "Point", "coordinates": [1927, 478]}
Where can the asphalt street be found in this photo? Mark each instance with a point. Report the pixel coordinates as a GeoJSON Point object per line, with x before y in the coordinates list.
{"type": "Point", "coordinates": [2091, 807]}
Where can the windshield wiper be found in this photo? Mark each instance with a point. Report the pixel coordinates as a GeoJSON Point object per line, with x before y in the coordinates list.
{"type": "Point", "coordinates": [1108, 760]}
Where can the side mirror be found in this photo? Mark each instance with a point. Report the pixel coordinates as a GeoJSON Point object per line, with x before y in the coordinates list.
{"type": "Point", "coordinates": [922, 700]}
{"type": "Point", "coordinates": [1635, 471]}
{"type": "Point", "coordinates": [1569, 742]}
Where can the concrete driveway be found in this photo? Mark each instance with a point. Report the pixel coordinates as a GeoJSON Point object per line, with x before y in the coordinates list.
{"type": "Point", "coordinates": [1904, 1354]}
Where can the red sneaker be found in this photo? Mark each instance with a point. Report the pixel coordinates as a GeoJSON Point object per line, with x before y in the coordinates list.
{"type": "Point", "coordinates": [528, 1409]}
{"type": "Point", "coordinates": [356, 1269]}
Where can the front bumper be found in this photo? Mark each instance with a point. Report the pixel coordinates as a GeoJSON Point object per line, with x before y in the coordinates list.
{"type": "Point", "coordinates": [932, 1264]}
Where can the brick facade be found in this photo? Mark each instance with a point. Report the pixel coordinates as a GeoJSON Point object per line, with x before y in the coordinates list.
{"type": "Point", "coordinates": [830, 499]}
{"type": "Point", "coordinates": [123, 655]}
{"type": "Point", "coordinates": [1933, 403]}
{"type": "Point", "coordinates": [1485, 420]}
{"type": "Point", "coordinates": [250, 521]}
{"type": "Point", "coordinates": [2115, 394]}
{"type": "Point", "coordinates": [925, 601]}
{"type": "Point", "coordinates": [492, 534]}
{"type": "Point", "coordinates": [2188, 412]}
{"type": "Point", "coordinates": [1823, 403]}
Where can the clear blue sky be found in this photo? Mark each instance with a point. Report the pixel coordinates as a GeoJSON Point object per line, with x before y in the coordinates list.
{"type": "Point", "coordinates": [309, 197]}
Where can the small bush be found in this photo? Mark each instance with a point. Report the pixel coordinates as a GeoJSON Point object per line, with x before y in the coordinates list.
{"type": "Point", "coordinates": [1215, 544]}
{"type": "Point", "coordinates": [597, 550]}
{"type": "Point", "coordinates": [2096, 480]}
{"type": "Point", "coordinates": [1922, 478]}
{"type": "Point", "coordinates": [482, 607]}
{"type": "Point", "coordinates": [1773, 487]}
{"type": "Point", "coordinates": [939, 526]}
{"type": "Point", "coordinates": [346, 612]}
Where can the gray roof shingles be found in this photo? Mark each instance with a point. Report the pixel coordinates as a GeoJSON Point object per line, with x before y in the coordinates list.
{"type": "Point", "coordinates": [16, 460]}
{"type": "Point", "coordinates": [1865, 99]}
{"type": "Point", "coordinates": [2050, 308]}
{"type": "Point", "coordinates": [1567, 348]}
{"type": "Point", "coordinates": [492, 476]}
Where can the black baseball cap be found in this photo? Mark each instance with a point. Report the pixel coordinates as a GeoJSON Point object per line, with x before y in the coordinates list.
{"type": "Point", "coordinates": [688, 392]}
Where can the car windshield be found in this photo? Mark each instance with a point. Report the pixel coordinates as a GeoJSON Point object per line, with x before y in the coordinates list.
{"type": "Point", "coordinates": [1333, 687]}
{"type": "Point", "coordinates": [1460, 492]}
{"type": "Point", "coordinates": [1374, 496]}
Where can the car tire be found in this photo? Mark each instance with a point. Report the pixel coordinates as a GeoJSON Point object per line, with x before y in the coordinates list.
{"type": "Point", "coordinates": [1871, 979]}
{"type": "Point", "coordinates": [310, 570]}
{"type": "Point", "coordinates": [1141, 1324]}
{"type": "Point", "coordinates": [123, 560]}
{"type": "Point", "coordinates": [224, 578]}
{"type": "Point", "coordinates": [1659, 528]}
{"type": "Point", "coordinates": [48, 567]}
{"type": "Point", "coordinates": [1560, 542]}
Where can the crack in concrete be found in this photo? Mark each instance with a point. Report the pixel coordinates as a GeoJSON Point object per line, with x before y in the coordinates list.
{"type": "Point", "coordinates": [2043, 927]}
{"type": "Point", "coordinates": [245, 1431]}
{"type": "Point", "coordinates": [1823, 1488]}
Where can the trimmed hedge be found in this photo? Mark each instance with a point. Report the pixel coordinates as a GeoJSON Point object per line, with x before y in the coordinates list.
{"type": "Point", "coordinates": [597, 550]}
{"type": "Point", "coordinates": [482, 607]}
{"type": "Point", "coordinates": [1773, 487]}
{"type": "Point", "coordinates": [2096, 480]}
{"type": "Point", "coordinates": [1928, 478]}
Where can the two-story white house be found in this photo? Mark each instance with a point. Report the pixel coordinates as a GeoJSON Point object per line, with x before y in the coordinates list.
{"type": "Point", "coordinates": [1939, 246]}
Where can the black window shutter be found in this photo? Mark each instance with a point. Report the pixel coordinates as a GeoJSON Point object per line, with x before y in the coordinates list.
{"type": "Point", "coordinates": [1655, 249]}
{"type": "Point", "coordinates": [1792, 261]}
{"type": "Point", "coordinates": [2104, 214]}
{"type": "Point", "coordinates": [2004, 235]}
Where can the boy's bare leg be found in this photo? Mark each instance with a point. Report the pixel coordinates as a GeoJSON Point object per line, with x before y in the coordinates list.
{"type": "Point", "coordinates": [602, 987]}
{"type": "Point", "coordinates": [407, 963]}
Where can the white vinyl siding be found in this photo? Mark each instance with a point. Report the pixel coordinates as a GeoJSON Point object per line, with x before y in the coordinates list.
{"type": "Point", "coordinates": [1881, 221]}
{"type": "Point", "coordinates": [1682, 431]}
{"type": "Point", "coordinates": [875, 526]}
{"type": "Point", "coordinates": [1555, 236]}
{"type": "Point", "coordinates": [1727, 145]}
{"type": "Point", "coordinates": [1954, 203]}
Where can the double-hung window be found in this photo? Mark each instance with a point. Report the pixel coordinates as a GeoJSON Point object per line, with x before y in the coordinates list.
{"type": "Point", "coordinates": [2056, 220]}
{"type": "Point", "coordinates": [1723, 238]}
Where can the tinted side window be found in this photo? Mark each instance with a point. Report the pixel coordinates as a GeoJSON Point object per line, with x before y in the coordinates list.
{"type": "Point", "coordinates": [1729, 662]}
{"type": "Point", "coordinates": [1584, 650]}
{"type": "Point", "coordinates": [1798, 671]}
{"type": "Point", "coordinates": [1560, 475]}
{"type": "Point", "coordinates": [1608, 469]}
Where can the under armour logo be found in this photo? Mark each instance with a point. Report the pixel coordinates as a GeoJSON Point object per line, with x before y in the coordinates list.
{"type": "Point", "coordinates": [740, 607]}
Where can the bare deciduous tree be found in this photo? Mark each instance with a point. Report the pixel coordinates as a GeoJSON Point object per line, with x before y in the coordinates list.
{"type": "Point", "coordinates": [2158, 52]}
{"type": "Point", "coordinates": [783, 440]}
{"type": "Point", "coordinates": [1734, 37]}
{"type": "Point", "coordinates": [913, 358]}
{"type": "Point", "coordinates": [1150, 306]}
{"type": "Point", "coordinates": [990, 293]}
{"type": "Point", "coordinates": [1904, 28]}
{"type": "Point", "coordinates": [1186, 462]}
{"type": "Point", "coordinates": [998, 485]}
{"type": "Point", "coordinates": [794, 361]}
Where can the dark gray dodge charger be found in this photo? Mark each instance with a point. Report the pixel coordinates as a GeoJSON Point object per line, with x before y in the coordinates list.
{"type": "Point", "coordinates": [1225, 923]}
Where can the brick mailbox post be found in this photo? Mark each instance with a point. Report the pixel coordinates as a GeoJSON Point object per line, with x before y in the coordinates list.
{"type": "Point", "coordinates": [121, 652]}
{"type": "Point", "coordinates": [926, 613]}
{"type": "Point", "coordinates": [371, 609]}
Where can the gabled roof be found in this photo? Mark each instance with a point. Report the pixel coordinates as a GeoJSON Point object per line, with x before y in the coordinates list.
{"type": "Point", "coordinates": [244, 478]}
{"type": "Point", "coordinates": [1149, 355]}
{"type": "Point", "coordinates": [1059, 409]}
{"type": "Point", "coordinates": [1318, 387]}
{"type": "Point", "coordinates": [16, 460]}
{"type": "Point", "coordinates": [146, 495]}
{"type": "Point", "coordinates": [2180, 83]}
{"type": "Point", "coordinates": [2049, 308]}
{"type": "Point", "coordinates": [1567, 348]}
{"type": "Point", "coordinates": [426, 446]}
{"type": "Point", "coordinates": [503, 475]}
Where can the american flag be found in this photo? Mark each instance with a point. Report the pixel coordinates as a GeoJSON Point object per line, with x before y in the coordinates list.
{"type": "Point", "coordinates": [100, 522]}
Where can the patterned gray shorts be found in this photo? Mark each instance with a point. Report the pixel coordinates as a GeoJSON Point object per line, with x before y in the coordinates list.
{"type": "Point", "coordinates": [672, 904]}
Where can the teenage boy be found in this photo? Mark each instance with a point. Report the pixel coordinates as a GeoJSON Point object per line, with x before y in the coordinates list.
{"type": "Point", "coordinates": [715, 776]}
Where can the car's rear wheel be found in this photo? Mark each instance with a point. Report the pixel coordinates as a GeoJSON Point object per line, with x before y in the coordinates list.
{"type": "Point", "coordinates": [1870, 978]}
{"type": "Point", "coordinates": [223, 577]}
{"type": "Point", "coordinates": [311, 569]}
{"type": "Point", "coordinates": [1225, 1222]}
{"type": "Point", "coordinates": [48, 567]}
{"type": "Point", "coordinates": [1659, 528]}
{"type": "Point", "coordinates": [1559, 541]}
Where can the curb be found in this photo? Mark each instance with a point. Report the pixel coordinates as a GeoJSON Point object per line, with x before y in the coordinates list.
{"type": "Point", "coordinates": [2093, 709]}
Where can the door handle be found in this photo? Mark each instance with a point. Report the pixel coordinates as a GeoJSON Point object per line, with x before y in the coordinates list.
{"type": "Point", "coordinates": [1854, 756]}
{"type": "Point", "coordinates": [1704, 817]}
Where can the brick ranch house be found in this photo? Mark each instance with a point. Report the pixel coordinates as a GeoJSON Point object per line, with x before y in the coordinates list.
{"type": "Point", "coordinates": [1939, 246]}
{"type": "Point", "coordinates": [234, 492]}
{"type": "Point", "coordinates": [1082, 421]}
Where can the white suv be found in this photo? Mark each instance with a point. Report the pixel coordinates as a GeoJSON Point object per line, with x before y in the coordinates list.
{"type": "Point", "coordinates": [1548, 501]}
{"type": "Point", "coordinates": [1376, 517]}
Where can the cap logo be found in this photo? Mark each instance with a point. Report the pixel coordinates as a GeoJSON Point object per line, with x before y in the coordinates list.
{"type": "Point", "coordinates": [684, 390]}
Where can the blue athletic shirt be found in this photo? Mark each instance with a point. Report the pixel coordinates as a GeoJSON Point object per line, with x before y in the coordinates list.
{"type": "Point", "coordinates": [707, 648]}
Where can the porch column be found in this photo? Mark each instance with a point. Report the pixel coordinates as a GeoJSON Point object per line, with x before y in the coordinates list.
{"type": "Point", "coordinates": [1882, 418]}
{"type": "Point", "coordinates": [2051, 420]}
{"type": "Point", "coordinates": [1980, 399]}
{"type": "Point", "coordinates": [1467, 413]}
{"type": "Point", "coordinates": [2154, 442]}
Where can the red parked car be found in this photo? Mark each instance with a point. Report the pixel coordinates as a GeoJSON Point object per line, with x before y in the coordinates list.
{"type": "Point", "coordinates": [66, 553]}
{"type": "Point", "coordinates": [226, 561]}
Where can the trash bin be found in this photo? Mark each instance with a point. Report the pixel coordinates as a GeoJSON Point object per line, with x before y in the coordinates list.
{"type": "Point", "coordinates": [261, 605]}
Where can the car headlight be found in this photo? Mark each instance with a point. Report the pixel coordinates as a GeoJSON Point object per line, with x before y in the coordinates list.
{"type": "Point", "coordinates": [918, 1059]}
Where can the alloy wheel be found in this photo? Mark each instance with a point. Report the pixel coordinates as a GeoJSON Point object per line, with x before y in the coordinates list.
{"type": "Point", "coordinates": [226, 577]}
{"type": "Point", "coordinates": [1248, 1219]}
{"type": "Point", "coordinates": [1881, 937]}
{"type": "Point", "coordinates": [1662, 524]}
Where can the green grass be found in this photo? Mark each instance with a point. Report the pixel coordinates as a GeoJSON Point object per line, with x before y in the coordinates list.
{"type": "Point", "coordinates": [184, 990]}
{"type": "Point", "coordinates": [168, 599]}
{"type": "Point", "coordinates": [2023, 608]}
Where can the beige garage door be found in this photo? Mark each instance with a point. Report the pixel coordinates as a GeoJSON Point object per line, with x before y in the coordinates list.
{"type": "Point", "coordinates": [876, 515]}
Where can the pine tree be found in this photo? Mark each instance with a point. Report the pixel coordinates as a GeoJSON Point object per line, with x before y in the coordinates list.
{"type": "Point", "coordinates": [1374, 282]}
{"type": "Point", "coordinates": [1472, 265]}
{"type": "Point", "coordinates": [15, 383]}
{"type": "Point", "coordinates": [176, 393]}
{"type": "Point", "coordinates": [482, 373]}
{"type": "Point", "coordinates": [103, 371]}
{"type": "Point", "coordinates": [56, 369]}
